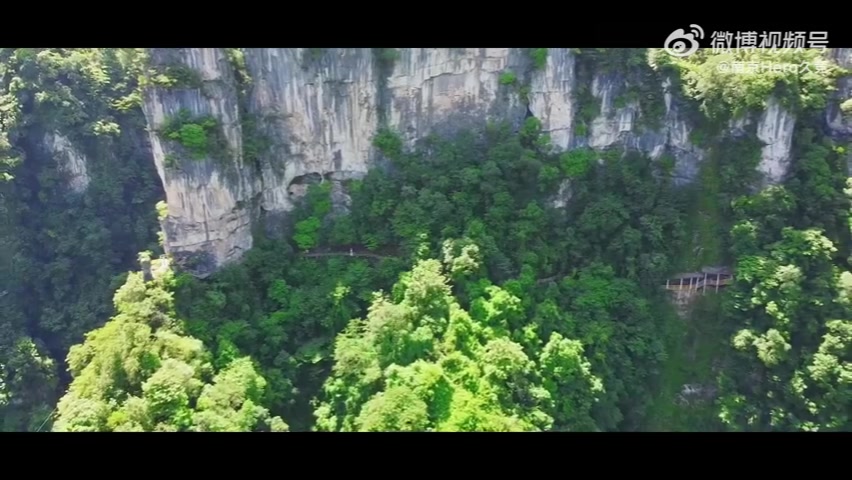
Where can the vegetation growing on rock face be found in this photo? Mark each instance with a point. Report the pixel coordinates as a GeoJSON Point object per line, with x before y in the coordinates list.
{"type": "Point", "coordinates": [386, 57]}
{"type": "Point", "coordinates": [508, 78]}
{"type": "Point", "coordinates": [642, 86]}
{"type": "Point", "coordinates": [200, 136]}
{"type": "Point", "coordinates": [846, 107]}
{"type": "Point", "coordinates": [237, 58]}
{"type": "Point", "coordinates": [175, 76]}
{"type": "Point", "coordinates": [538, 57]}
{"type": "Point", "coordinates": [452, 295]}
{"type": "Point", "coordinates": [730, 84]}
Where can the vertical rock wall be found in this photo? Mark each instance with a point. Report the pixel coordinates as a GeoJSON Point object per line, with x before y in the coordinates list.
{"type": "Point", "coordinates": [319, 110]}
{"type": "Point", "coordinates": [209, 221]}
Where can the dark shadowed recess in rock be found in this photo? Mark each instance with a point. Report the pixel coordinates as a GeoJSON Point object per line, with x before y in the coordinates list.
{"type": "Point", "coordinates": [200, 264]}
{"type": "Point", "coordinates": [304, 180]}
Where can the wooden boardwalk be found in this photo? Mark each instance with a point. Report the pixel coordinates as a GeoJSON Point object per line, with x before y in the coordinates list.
{"type": "Point", "coordinates": [713, 277]}
{"type": "Point", "coordinates": [684, 288]}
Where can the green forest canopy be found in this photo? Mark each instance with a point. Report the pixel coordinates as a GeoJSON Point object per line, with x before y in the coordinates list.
{"type": "Point", "coordinates": [490, 309]}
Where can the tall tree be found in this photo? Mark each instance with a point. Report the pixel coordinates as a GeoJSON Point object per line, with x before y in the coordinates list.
{"type": "Point", "coordinates": [140, 373]}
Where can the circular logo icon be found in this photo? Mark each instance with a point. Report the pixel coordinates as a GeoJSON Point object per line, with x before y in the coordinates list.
{"type": "Point", "coordinates": [682, 43]}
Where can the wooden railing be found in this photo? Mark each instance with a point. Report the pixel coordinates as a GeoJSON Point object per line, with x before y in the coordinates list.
{"type": "Point", "coordinates": [700, 282]}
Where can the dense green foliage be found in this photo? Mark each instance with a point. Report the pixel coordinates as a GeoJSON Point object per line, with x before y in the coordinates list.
{"type": "Point", "coordinates": [480, 282]}
{"type": "Point", "coordinates": [421, 362]}
{"type": "Point", "coordinates": [801, 80]}
{"type": "Point", "coordinates": [793, 369]}
{"type": "Point", "coordinates": [139, 373]}
{"type": "Point", "coordinates": [60, 250]}
{"type": "Point", "coordinates": [200, 137]}
{"type": "Point", "coordinates": [486, 192]}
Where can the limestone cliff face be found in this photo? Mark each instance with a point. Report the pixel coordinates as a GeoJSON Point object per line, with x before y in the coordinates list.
{"type": "Point", "coordinates": [840, 123]}
{"type": "Point", "coordinates": [72, 163]}
{"type": "Point", "coordinates": [553, 102]}
{"type": "Point", "coordinates": [434, 90]}
{"type": "Point", "coordinates": [206, 220]}
{"type": "Point", "coordinates": [318, 112]}
{"type": "Point", "coordinates": [775, 130]}
{"type": "Point", "coordinates": [321, 113]}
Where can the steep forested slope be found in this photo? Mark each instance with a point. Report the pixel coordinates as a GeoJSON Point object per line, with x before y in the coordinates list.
{"type": "Point", "coordinates": [482, 281]}
{"type": "Point", "coordinates": [77, 207]}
